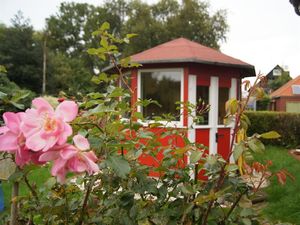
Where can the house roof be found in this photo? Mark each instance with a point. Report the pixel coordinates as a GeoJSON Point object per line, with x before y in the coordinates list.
{"type": "Point", "coordinates": [286, 89]}
{"type": "Point", "coordinates": [184, 50]}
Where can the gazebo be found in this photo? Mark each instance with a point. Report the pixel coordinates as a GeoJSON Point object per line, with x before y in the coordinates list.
{"type": "Point", "coordinates": [183, 70]}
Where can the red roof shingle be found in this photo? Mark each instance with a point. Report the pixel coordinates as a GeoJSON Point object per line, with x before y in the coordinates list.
{"type": "Point", "coordinates": [183, 50]}
{"type": "Point", "coordinates": [286, 89]}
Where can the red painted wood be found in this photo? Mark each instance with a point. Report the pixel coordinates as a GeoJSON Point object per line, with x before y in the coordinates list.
{"type": "Point", "coordinates": [185, 95]}
{"type": "Point", "coordinates": [203, 80]}
{"type": "Point", "coordinates": [225, 82]}
{"type": "Point", "coordinates": [223, 142]}
{"type": "Point", "coordinates": [202, 137]}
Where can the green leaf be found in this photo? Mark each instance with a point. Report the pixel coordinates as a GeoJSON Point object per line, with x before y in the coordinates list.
{"type": "Point", "coordinates": [231, 167]}
{"type": "Point", "coordinates": [119, 165]}
{"type": "Point", "coordinates": [131, 35]}
{"type": "Point", "coordinates": [256, 145]}
{"type": "Point", "coordinates": [17, 105]}
{"type": "Point", "coordinates": [270, 135]}
{"type": "Point", "coordinates": [245, 202]}
{"type": "Point", "coordinates": [232, 106]}
{"type": "Point", "coordinates": [238, 151]}
{"type": "Point", "coordinates": [105, 26]}
{"type": "Point", "coordinates": [246, 221]}
{"type": "Point", "coordinates": [195, 156]}
{"type": "Point", "coordinates": [247, 212]}
{"type": "Point", "coordinates": [20, 95]}
{"type": "Point", "coordinates": [104, 43]}
{"type": "Point", "coordinates": [16, 176]}
{"type": "Point", "coordinates": [138, 115]}
{"type": "Point", "coordinates": [2, 95]}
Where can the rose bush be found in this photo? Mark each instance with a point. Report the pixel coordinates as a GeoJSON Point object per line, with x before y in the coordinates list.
{"type": "Point", "coordinates": [100, 178]}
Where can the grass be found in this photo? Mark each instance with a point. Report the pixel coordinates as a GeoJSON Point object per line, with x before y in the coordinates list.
{"type": "Point", "coordinates": [37, 176]}
{"type": "Point", "coordinates": [283, 200]}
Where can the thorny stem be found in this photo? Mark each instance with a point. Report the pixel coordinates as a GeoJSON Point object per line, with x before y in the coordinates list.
{"type": "Point", "coordinates": [85, 201]}
{"type": "Point", "coordinates": [114, 61]}
{"type": "Point", "coordinates": [235, 130]}
{"type": "Point", "coordinates": [88, 123]}
{"type": "Point", "coordinates": [33, 192]}
{"type": "Point", "coordinates": [235, 204]}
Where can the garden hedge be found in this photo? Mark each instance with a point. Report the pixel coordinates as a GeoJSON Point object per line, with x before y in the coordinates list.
{"type": "Point", "coordinates": [286, 124]}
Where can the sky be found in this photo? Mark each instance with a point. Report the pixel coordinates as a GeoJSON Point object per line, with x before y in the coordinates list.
{"type": "Point", "coordinates": [263, 33]}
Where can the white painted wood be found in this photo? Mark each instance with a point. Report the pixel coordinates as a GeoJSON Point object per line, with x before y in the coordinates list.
{"type": "Point", "coordinates": [232, 95]}
{"type": "Point", "coordinates": [213, 113]}
{"type": "Point", "coordinates": [233, 88]}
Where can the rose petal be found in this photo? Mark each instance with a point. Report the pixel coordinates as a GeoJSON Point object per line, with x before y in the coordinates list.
{"type": "Point", "coordinates": [9, 142]}
{"type": "Point", "coordinates": [12, 121]}
{"type": "Point", "coordinates": [77, 166]}
{"type": "Point", "coordinates": [67, 110]}
{"type": "Point", "coordinates": [58, 165]}
{"type": "Point", "coordinates": [65, 134]}
{"type": "Point", "coordinates": [68, 152]}
{"type": "Point", "coordinates": [49, 156]}
{"type": "Point", "coordinates": [81, 142]}
{"type": "Point", "coordinates": [90, 157]}
{"type": "Point", "coordinates": [42, 105]}
{"type": "Point", "coordinates": [36, 142]}
{"type": "Point", "coordinates": [3, 129]}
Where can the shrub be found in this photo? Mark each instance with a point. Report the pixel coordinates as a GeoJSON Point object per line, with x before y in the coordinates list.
{"type": "Point", "coordinates": [286, 124]}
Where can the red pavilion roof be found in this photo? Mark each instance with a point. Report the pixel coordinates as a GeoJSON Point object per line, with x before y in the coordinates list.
{"type": "Point", "coordinates": [183, 50]}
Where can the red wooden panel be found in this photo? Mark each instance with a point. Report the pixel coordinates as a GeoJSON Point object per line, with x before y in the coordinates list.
{"type": "Point", "coordinates": [203, 80]}
{"type": "Point", "coordinates": [224, 142]}
{"type": "Point", "coordinates": [225, 82]}
{"type": "Point", "coordinates": [202, 137]}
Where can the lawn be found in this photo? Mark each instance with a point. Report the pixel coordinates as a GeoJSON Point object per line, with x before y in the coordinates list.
{"type": "Point", "coordinates": [283, 201]}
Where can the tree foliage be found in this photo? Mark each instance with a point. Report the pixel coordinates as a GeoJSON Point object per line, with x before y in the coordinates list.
{"type": "Point", "coordinates": [21, 54]}
{"type": "Point", "coordinates": [279, 81]}
{"type": "Point", "coordinates": [67, 38]}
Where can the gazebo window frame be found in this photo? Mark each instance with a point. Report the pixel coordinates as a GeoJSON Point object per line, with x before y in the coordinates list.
{"type": "Point", "coordinates": [177, 124]}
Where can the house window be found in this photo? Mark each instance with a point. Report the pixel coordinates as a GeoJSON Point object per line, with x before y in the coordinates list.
{"type": "Point", "coordinates": [165, 88]}
{"type": "Point", "coordinates": [202, 98]}
{"type": "Point", "coordinates": [223, 98]}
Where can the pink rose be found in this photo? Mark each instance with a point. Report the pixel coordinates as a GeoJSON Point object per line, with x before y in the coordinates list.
{"type": "Point", "coordinates": [71, 158]}
{"type": "Point", "coordinates": [44, 127]}
{"type": "Point", "coordinates": [12, 139]}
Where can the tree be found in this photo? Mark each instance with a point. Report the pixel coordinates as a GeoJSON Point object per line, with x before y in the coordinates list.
{"type": "Point", "coordinates": [21, 53]}
{"type": "Point", "coordinates": [67, 74]}
{"type": "Point", "coordinates": [69, 30]}
{"type": "Point", "coordinates": [278, 82]}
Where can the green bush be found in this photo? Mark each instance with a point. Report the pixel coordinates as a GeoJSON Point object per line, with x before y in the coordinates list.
{"type": "Point", "coordinates": [286, 124]}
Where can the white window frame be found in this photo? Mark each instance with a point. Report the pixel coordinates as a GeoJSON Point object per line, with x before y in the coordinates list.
{"type": "Point", "coordinates": [139, 95]}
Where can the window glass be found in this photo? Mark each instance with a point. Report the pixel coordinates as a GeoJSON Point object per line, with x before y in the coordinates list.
{"type": "Point", "coordinates": [202, 98]}
{"type": "Point", "coordinates": [223, 98]}
{"type": "Point", "coordinates": [164, 87]}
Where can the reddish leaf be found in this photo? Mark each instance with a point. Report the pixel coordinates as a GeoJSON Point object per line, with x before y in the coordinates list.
{"type": "Point", "coordinates": [281, 177]}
